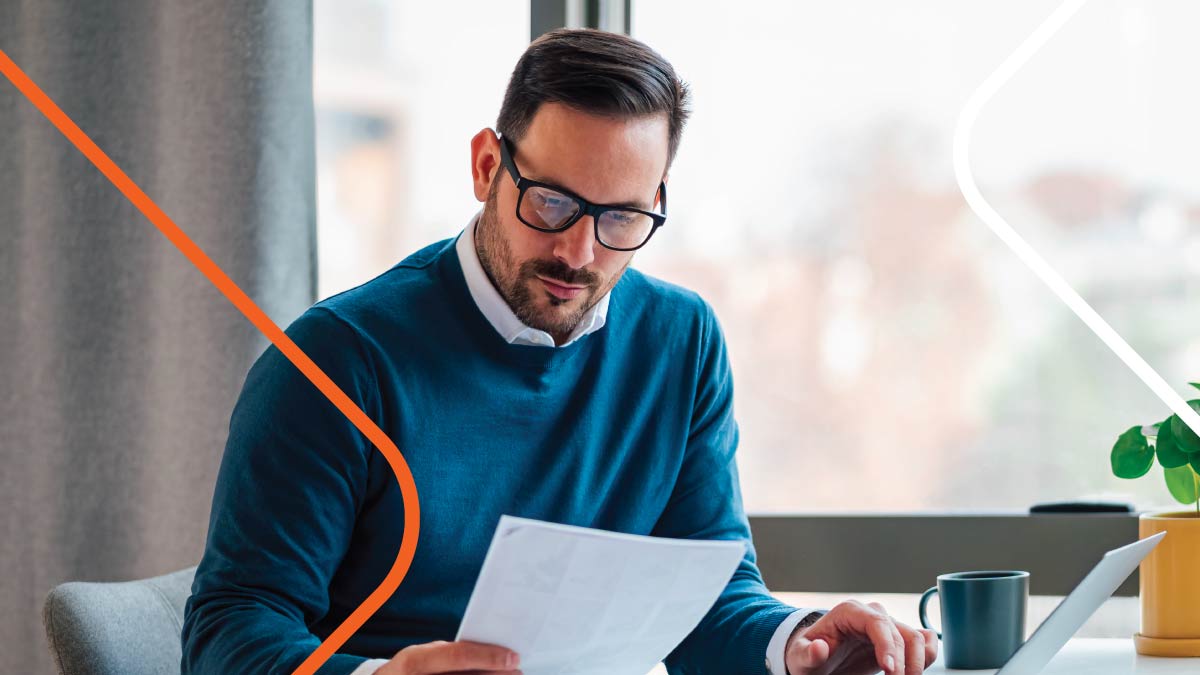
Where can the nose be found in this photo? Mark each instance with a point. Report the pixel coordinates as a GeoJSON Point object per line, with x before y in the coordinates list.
{"type": "Point", "coordinates": [577, 246]}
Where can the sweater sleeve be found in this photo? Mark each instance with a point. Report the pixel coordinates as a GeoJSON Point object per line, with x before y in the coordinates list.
{"type": "Point", "coordinates": [288, 492]}
{"type": "Point", "coordinates": [706, 503]}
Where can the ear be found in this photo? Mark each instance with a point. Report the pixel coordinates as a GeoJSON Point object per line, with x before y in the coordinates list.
{"type": "Point", "coordinates": [658, 197]}
{"type": "Point", "coordinates": [485, 161]}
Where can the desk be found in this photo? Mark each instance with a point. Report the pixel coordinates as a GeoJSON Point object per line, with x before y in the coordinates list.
{"type": "Point", "coordinates": [1093, 656]}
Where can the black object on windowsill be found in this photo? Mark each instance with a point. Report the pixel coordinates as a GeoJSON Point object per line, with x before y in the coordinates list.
{"type": "Point", "coordinates": [1081, 507]}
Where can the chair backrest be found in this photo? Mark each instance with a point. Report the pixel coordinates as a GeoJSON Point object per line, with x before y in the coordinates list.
{"type": "Point", "coordinates": [126, 628]}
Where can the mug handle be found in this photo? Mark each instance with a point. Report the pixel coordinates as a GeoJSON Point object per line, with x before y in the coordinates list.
{"type": "Point", "coordinates": [923, 606]}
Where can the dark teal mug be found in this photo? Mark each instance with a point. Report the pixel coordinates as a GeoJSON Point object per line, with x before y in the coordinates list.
{"type": "Point", "coordinates": [983, 616]}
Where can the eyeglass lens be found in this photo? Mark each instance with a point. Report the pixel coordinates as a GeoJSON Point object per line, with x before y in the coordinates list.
{"type": "Point", "coordinates": [552, 210]}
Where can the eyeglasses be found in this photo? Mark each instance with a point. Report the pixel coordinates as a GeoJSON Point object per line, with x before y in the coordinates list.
{"type": "Point", "coordinates": [550, 208]}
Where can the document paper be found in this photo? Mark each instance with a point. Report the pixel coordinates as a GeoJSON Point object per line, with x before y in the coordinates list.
{"type": "Point", "coordinates": [578, 601]}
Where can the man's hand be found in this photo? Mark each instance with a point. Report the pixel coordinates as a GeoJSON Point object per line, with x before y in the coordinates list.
{"type": "Point", "coordinates": [461, 658]}
{"type": "Point", "coordinates": [858, 639]}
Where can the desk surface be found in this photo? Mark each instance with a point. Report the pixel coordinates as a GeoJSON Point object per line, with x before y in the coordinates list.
{"type": "Point", "coordinates": [1099, 657]}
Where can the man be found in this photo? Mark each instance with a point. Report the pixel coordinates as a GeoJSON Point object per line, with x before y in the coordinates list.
{"type": "Point", "coordinates": [521, 368]}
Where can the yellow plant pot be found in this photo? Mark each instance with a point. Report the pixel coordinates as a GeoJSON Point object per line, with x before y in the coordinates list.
{"type": "Point", "coordinates": [1170, 586]}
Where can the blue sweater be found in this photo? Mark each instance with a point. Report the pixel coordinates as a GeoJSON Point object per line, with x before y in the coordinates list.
{"type": "Point", "coordinates": [629, 429]}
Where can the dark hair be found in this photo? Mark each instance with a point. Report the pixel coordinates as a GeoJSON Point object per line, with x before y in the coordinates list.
{"type": "Point", "coordinates": [595, 72]}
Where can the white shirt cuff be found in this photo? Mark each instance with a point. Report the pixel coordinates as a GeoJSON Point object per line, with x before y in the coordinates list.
{"type": "Point", "coordinates": [368, 667]}
{"type": "Point", "coordinates": [776, 663]}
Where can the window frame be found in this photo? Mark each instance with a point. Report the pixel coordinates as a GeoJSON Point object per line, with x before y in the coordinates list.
{"type": "Point", "coordinates": [860, 552]}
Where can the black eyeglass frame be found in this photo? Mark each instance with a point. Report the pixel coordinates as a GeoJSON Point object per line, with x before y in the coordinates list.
{"type": "Point", "coordinates": [586, 208]}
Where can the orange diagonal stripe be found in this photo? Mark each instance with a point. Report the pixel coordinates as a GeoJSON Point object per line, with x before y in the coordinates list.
{"type": "Point", "coordinates": [408, 488]}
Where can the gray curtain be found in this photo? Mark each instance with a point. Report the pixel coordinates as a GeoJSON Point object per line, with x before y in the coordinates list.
{"type": "Point", "coordinates": [120, 361]}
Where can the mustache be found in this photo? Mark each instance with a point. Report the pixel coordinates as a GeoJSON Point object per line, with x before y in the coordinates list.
{"type": "Point", "coordinates": [557, 270]}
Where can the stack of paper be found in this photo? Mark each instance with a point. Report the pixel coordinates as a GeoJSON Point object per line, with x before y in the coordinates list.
{"type": "Point", "coordinates": [578, 601]}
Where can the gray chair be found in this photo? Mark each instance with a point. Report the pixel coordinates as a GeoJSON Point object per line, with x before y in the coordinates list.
{"type": "Point", "coordinates": [123, 628]}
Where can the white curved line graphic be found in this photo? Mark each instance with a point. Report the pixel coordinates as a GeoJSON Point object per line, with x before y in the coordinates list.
{"type": "Point", "coordinates": [966, 183]}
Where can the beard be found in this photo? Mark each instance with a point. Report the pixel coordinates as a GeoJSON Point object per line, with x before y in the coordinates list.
{"type": "Point", "coordinates": [520, 287]}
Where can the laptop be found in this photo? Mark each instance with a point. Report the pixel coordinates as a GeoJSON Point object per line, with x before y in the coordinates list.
{"type": "Point", "coordinates": [1075, 609]}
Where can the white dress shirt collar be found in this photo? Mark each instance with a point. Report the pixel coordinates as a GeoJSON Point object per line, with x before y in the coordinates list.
{"type": "Point", "coordinates": [496, 309]}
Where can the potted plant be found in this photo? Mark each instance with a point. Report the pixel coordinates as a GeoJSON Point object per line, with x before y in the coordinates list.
{"type": "Point", "coordinates": [1170, 575]}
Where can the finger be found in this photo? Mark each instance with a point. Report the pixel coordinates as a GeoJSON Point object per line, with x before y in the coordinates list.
{"type": "Point", "coordinates": [883, 634]}
{"type": "Point", "coordinates": [898, 655]}
{"type": "Point", "coordinates": [897, 636]}
{"type": "Point", "coordinates": [901, 648]}
{"type": "Point", "coordinates": [447, 657]}
{"type": "Point", "coordinates": [914, 649]}
{"type": "Point", "coordinates": [931, 646]}
{"type": "Point", "coordinates": [804, 655]}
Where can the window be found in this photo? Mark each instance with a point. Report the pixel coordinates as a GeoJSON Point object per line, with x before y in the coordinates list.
{"type": "Point", "coordinates": [890, 352]}
{"type": "Point", "coordinates": [400, 88]}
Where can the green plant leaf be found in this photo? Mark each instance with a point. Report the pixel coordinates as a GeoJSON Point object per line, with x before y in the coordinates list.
{"type": "Point", "coordinates": [1187, 439]}
{"type": "Point", "coordinates": [1170, 456]}
{"type": "Point", "coordinates": [1195, 462]}
{"type": "Point", "coordinates": [1195, 384]}
{"type": "Point", "coordinates": [1181, 483]}
{"type": "Point", "coordinates": [1132, 456]}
